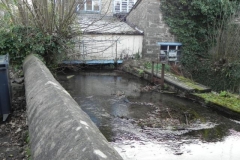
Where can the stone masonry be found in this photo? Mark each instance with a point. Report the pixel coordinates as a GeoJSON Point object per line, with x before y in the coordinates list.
{"type": "Point", "coordinates": [58, 128]}
{"type": "Point", "coordinates": [146, 16]}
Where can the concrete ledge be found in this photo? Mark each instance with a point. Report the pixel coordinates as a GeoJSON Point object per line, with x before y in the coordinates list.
{"type": "Point", "coordinates": [58, 128]}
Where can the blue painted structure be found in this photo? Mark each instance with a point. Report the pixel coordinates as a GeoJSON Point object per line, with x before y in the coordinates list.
{"type": "Point", "coordinates": [169, 43]}
{"type": "Point", "coordinates": [169, 51]}
{"type": "Point", "coordinates": [92, 62]}
{"type": "Point", "coordinates": [5, 87]}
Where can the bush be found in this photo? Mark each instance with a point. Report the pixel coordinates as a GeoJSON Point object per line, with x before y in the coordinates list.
{"type": "Point", "coordinates": [206, 30]}
{"type": "Point", "coordinates": [19, 41]}
{"type": "Point", "coordinates": [45, 28]}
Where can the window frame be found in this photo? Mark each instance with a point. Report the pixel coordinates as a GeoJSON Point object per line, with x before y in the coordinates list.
{"type": "Point", "coordinates": [85, 8]}
{"type": "Point", "coordinates": [122, 6]}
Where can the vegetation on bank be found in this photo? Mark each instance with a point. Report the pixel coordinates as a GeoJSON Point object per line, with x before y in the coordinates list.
{"type": "Point", "coordinates": [223, 98]}
{"type": "Point", "coordinates": [20, 41]}
{"type": "Point", "coordinates": [210, 37]}
{"type": "Point", "coordinates": [157, 66]}
{"type": "Point", "coordinates": [28, 150]}
{"type": "Point", "coordinates": [191, 83]}
{"type": "Point", "coordinates": [41, 27]}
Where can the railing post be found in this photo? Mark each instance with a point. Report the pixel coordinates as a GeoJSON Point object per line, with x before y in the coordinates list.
{"type": "Point", "coordinates": [162, 76]}
{"type": "Point", "coordinates": [152, 71]}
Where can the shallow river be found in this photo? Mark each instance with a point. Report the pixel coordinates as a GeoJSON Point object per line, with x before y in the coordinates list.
{"type": "Point", "coordinates": [143, 124]}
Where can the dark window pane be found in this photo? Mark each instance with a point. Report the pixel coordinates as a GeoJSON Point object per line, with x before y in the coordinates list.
{"type": "Point", "coordinates": [164, 47]}
{"type": "Point", "coordinates": [89, 5]}
{"type": "Point", "coordinates": [172, 47]}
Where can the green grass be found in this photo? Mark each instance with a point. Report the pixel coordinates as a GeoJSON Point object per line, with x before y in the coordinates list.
{"type": "Point", "coordinates": [159, 67]}
{"type": "Point", "coordinates": [28, 150]}
{"type": "Point", "coordinates": [28, 153]}
{"type": "Point", "coordinates": [190, 83]}
{"type": "Point", "coordinates": [148, 65]}
{"type": "Point", "coordinates": [231, 101]}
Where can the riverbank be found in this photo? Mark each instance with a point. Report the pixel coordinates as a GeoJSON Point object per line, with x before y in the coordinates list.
{"type": "Point", "coordinates": [225, 102]}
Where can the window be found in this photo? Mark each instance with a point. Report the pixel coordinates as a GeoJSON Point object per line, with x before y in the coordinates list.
{"type": "Point", "coordinates": [89, 5]}
{"type": "Point", "coordinates": [123, 6]}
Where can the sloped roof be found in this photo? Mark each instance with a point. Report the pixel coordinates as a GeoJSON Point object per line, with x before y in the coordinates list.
{"type": "Point", "coordinates": [92, 24]}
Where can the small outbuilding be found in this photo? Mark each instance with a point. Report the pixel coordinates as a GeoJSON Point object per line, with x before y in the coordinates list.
{"type": "Point", "coordinates": [106, 38]}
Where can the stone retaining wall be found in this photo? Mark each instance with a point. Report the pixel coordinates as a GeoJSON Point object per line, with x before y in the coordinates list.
{"type": "Point", "coordinates": [58, 128]}
{"type": "Point", "coordinates": [146, 16]}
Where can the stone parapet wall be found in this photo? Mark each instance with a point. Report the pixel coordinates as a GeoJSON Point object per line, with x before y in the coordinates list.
{"type": "Point", "coordinates": [58, 128]}
{"type": "Point", "coordinates": [147, 17]}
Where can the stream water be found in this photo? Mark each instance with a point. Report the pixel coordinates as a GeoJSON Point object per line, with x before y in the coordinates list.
{"type": "Point", "coordinates": [143, 124]}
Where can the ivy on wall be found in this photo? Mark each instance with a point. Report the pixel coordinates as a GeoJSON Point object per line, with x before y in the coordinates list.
{"type": "Point", "coordinates": [196, 24]}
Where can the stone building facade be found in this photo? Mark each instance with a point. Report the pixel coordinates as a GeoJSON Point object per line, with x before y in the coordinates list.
{"type": "Point", "coordinates": [146, 16]}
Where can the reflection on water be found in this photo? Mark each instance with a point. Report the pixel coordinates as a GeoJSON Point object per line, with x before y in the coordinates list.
{"type": "Point", "coordinates": [127, 116]}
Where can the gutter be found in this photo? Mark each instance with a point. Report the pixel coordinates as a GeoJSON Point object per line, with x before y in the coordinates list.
{"type": "Point", "coordinates": [138, 32]}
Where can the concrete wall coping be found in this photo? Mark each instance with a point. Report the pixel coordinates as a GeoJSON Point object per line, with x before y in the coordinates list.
{"type": "Point", "coordinates": [58, 128]}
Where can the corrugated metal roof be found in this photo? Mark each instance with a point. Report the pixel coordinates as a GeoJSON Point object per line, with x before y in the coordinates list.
{"type": "Point", "coordinates": [93, 24]}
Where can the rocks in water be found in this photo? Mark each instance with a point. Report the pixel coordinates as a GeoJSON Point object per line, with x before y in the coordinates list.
{"type": "Point", "coordinates": [148, 88]}
{"type": "Point", "coordinates": [118, 93]}
{"type": "Point", "coordinates": [142, 103]}
{"type": "Point", "coordinates": [178, 153]}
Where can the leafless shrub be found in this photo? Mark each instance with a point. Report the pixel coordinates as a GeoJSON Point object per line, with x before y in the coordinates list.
{"type": "Point", "coordinates": [53, 17]}
{"type": "Point", "coordinates": [225, 41]}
